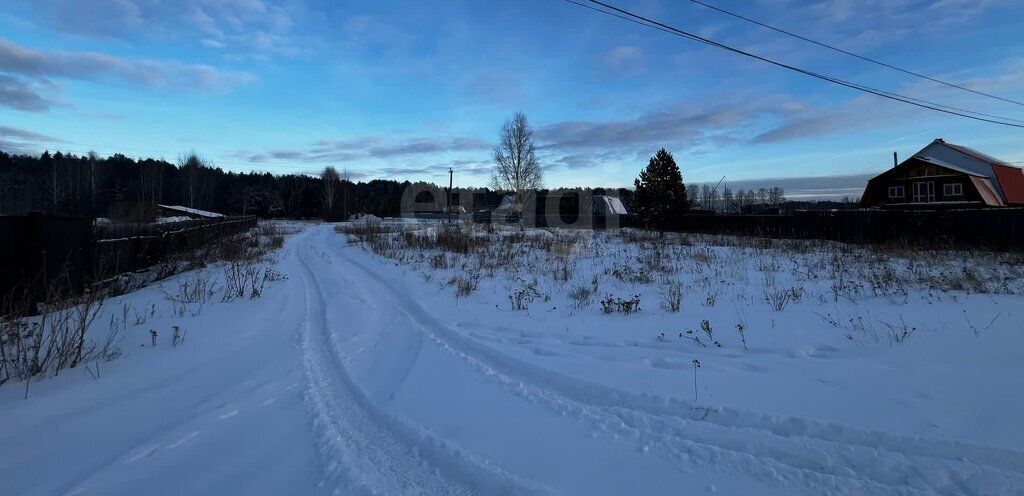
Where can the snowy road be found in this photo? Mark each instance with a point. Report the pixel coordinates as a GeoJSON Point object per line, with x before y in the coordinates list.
{"type": "Point", "coordinates": [342, 380]}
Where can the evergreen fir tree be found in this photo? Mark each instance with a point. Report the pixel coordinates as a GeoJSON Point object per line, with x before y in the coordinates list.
{"type": "Point", "coordinates": [660, 194]}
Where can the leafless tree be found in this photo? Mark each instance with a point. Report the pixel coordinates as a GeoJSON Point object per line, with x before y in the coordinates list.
{"type": "Point", "coordinates": [346, 180]}
{"type": "Point", "coordinates": [151, 180]}
{"type": "Point", "coordinates": [728, 200]}
{"type": "Point", "coordinates": [776, 196]}
{"type": "Point", "coordinates": [53, 186]}
{"type": "Point", "coordinates": [693, 193]}
{"type": "Point", "coordinates": [93, 179]}
{"type": "Point", "coordinates": [194, 188]}
{"type": "Point", "coordinates": [746, 198]}
{"type": "Point", "coordinates": [705, 197]}
{"type": "Point", "coordinates": [331, 179]}
{"type": "Point", "coordinates": [516, 166]}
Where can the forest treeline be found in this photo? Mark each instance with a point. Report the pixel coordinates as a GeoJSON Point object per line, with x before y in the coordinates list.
{"type": "Point", "coordinates": [127, 189]}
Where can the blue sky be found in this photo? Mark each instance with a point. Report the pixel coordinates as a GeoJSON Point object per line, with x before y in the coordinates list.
{"type": "Point", "coordinates": [403, 89]}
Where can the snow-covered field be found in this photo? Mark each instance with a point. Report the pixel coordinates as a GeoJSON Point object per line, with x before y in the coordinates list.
{"type": "Point", "coordinates": [427, 361]}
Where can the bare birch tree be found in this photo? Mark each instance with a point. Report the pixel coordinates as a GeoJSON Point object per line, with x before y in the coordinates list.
{"type": "Point", "coordinates": [516, 166]}
{"type": "Point", "coordinates": [53, 185]}
{"type": "Point", "coordinates": [93, 179]}
{"type": "Point", "coordinates": [331, 179]}
{"type": "Point", "coordinates": [346, 180]}
{"type": "Point", "coordinates": [193, 186]}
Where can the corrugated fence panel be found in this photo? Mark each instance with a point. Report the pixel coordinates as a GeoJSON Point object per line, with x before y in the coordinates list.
{"type": "Point", "coordinates": [36, 250]}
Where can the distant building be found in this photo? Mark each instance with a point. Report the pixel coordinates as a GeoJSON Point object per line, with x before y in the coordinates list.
{"type": "Point", "coordinates": [608, 205]}
{"type": "Point", "coordinates": [553, 208]}
{"type": "Point", "coordinates": [946, 175]}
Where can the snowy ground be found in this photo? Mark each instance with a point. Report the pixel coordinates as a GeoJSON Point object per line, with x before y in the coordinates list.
{"type": "Point", "coordinates": [399, 367]}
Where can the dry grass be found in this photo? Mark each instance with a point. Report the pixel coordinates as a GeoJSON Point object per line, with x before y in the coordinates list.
{"type": "Point", "coordinates": [779, 273]}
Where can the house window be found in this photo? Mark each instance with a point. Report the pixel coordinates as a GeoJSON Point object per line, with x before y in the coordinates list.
{"type": "Point", "coordinates": [895, 192]}
{"type": "Point", "coordinates": [952, 189]}
{"type": "Point", "coordinates": [924, 191]}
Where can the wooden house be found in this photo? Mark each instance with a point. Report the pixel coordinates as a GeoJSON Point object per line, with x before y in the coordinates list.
{"type": "Point", "coordinates": [944, 175]}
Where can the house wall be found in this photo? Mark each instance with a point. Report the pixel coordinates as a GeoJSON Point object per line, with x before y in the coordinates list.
{"type": "Point", "coordinates": [906, 175]}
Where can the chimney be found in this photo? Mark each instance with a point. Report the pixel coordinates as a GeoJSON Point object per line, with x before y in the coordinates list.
{"type": "Point", "coordinates": [895, 161]}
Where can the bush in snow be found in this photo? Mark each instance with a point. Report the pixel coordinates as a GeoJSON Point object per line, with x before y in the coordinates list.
{"type": "Point", "coordinates": [777, 298]}
{"type": "Point", "coordinates": [177, 337]}
{"type": "Point", "coordinates": [243, 280]}
{"type": "Point", "coordinates": [581, 296]}
{"type": "Point", "coordinates": [193, 293]}
{"type": "Point", "coordinates": [672, 296]}
{"type": "Point", "coordinates": [612, 304]}
{"type": "Point", "coordinates": [899, 333]}
{"type": "Point", "coordinates": [51, 341]}
{"type": "Point", "coordinates": [705, 326]}
{"type": "Point", "coordinates": [464, 285]}
{"type": "Point", "coordinates": [522, 297]}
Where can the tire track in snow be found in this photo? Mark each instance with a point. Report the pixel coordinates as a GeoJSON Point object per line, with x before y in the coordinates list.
{"type": "Point", "coordinates": [787, 450]}
{"type": "Point", "coordinates": [367, 450]}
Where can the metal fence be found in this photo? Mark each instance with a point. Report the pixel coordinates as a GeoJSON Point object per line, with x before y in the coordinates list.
{"type": "Point", "coordinates": [130, 247]}
{"type": "Point", "coordinates": [996, 229]}
{"type": "Point", "coordinates": [35, 249]}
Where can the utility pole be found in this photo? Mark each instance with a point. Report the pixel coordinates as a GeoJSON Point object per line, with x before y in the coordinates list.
{"type": "Point", "coordinates": [450, 172]}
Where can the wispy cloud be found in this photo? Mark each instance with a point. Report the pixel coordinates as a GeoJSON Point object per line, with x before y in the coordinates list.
{"type": "Point", "coordinates": [13, 132]}
{"type": "Point", "coordinates": [624, 60]}
{"type": "Point", "coordinates": [365, 31]}
{"type": "Point", "coordinates": [257, 27]}
{"type": "Point", "coordinates": [367, 147]}
{"type": "Point", "coordinates": [16, 140]}
{"type": "Point", "coordinates": [27, 74]}
{"type": "Point", "coordinates": [686, 127]}
{"type": "Point", "coordinates": [18, 94]}
{"type": "Point", "coordinates": [45, 65]}
{"type": "Point", "coordinates": [496, 86]}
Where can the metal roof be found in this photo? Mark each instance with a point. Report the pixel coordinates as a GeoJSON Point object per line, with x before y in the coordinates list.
{"type": "Point", "coordinates": [190, 211]}
{"type": "Point", "coordinates": [975, 153]}
{"type": "Point", "coordinates": [948, 165]}
{"type": "Point", "coordinates": [972, 162]}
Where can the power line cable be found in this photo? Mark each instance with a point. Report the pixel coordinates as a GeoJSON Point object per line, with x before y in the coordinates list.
{"type": "Point", "coordinates": [852, 54]}
{"type": "Point", "coordinates": [646, 22]}
{"type": "Point", "coordinates": [643, 21]}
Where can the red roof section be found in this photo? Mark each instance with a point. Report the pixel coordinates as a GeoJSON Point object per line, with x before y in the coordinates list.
{"type": "Point", "coordinates": [1011, 179]}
